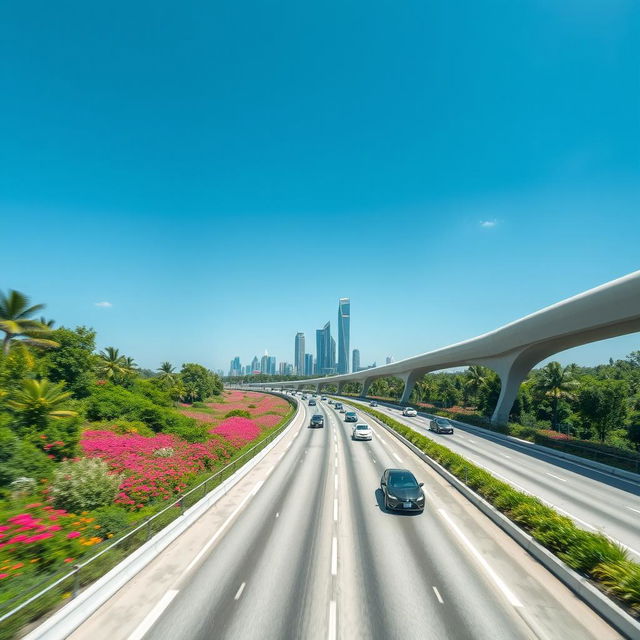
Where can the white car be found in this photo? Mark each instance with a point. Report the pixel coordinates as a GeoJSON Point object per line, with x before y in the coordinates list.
{"type": "Point", "coordinates": [409, 412]}
{"type": "Point", "coordinates": [361, 432]}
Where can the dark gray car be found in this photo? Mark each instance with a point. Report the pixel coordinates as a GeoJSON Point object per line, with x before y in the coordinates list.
{"type": "Point", "coordinates": [441, 425]}
{"type": "Point", "coordinates": [317, 420]}
{"type": "Point", "coordinates": [401, 490]}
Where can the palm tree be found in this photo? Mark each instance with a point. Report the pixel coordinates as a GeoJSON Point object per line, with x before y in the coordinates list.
{"type": "Point", "coordinates": [557, 383]}
{"type": "Point", "coordinates": [129, 363]}
{"type": "Point", "coordinates": [111, 364]}
{"type": "Point", "coordinates": [167, 373]}
{"type": "Point", "coordinates": [47, 323]}
{"type": "Point", "coordinates": [476, 377]}
{"type": "Point", "coordinates": [39, 400]}
{"type": "Point", "coordinates": [18, 324]}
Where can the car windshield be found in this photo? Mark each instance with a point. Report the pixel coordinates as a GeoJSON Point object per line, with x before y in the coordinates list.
{"type": "Point", "coordinates": [362, 427]}
{"type": "Point", "coordinates": [317, 417]}
{"type": "Point", "coordinates": [444, 423]}
{"type": "Point", "coordinates": [402, 480]}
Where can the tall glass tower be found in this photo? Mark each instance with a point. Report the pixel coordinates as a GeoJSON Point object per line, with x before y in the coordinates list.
{"type": "Point", "coordinates": [325, 354]}
{"type": "Point", "coordinates": [344, 322]}
{"type": "Point", "coordinates": [298, 361]}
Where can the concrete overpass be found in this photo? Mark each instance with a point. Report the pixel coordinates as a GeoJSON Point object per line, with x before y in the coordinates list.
{"type": "Point", "coordinates": [607, 311]}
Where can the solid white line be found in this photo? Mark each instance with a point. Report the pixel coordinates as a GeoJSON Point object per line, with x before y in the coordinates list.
{"type": "Point", "coordinates": [334, 557]}
{"type": "Point", "coordinates": [556, 477]}
{"type": "Point", "coordinates": [397, 457]}
{"type": "Point", "coordinates": [440, 600]}
{"type": "Point", "coordinates": [335, 509]}
{"type": "Point", "coordinates": [483, 563]}
{"type": "Point", "coordinates": [632, 509]}
{"type": "Point", "coordinates": [153, 615]}
{"type": "Point", "coordinates": [239, 592]}
{"type": "Point", "coordinates": [333, 621]}
{"type": "Point", "coordinates": [216, 535]}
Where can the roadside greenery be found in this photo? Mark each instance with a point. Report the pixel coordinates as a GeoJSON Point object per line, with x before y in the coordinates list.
{"type": "Point", "coordinates": [591, 554]}
{"type": "Point", "coordinates": [90, 444]}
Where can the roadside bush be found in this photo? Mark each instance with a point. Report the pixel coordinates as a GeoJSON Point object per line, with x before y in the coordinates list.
{"type": "Point", "coordinates": [112, 519]}
{"type": "Point", "coordinates": [588, 550]}
{"type": "Point", "coordinates": [621, 579]}
{"type": "Point", "coordinates": [199, 405]}
{"type": "Point", "coordinates": [20, 458]}
{"type": "Point", "coordinates": [237, 412]}
{"type": "Point", "coordinates": [83, 485]}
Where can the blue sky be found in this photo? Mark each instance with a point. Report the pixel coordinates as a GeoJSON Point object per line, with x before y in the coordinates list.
{"type": "Point", "coordinates": [221, 173]}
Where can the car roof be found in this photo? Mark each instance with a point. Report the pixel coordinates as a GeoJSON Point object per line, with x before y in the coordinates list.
{"type": "Point", "coordinates": [362, 424]}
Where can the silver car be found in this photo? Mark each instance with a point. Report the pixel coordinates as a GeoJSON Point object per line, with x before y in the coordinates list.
{"type": "Point", "coordinates": [362, 432]}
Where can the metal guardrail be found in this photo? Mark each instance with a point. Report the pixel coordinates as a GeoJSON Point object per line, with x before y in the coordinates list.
{"type": "Point", "coordinates": [73, 577]}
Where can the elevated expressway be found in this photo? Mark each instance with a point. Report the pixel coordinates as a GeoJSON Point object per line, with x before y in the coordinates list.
{"type": "Point", "coordinates": [607, 311]}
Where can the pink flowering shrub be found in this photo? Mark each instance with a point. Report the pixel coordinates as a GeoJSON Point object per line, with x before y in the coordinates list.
{"type": "Point", "coordinates": [41, 537]}
{"type": "Point", "coordinates": [267, 420]}
{"type": "Point", "coordinates": [147, 476]}
{"type": "Point", "coordinates": [237, 430]}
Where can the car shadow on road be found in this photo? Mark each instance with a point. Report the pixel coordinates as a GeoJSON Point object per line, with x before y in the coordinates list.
{"type": "Point", "coordinates": [383, 509]}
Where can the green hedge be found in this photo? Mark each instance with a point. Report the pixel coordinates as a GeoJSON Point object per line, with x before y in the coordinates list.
{"type": "Point", "coordinates": [591, 554]}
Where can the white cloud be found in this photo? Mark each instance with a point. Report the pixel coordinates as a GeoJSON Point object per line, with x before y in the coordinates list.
{"type": "Point", "coordinates": [487, 224]}
{"type": "Point", "coordinates": [103, 304]}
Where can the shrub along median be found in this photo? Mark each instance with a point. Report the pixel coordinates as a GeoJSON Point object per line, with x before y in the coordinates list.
{"type": "Point", "coordinates": [591, 554]}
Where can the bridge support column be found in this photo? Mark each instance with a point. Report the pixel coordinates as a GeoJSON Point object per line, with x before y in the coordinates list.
{"type": "Point", "coordinates": [365, 387]}
{"type": "Point", "coordinates": [410, 380]}
{"type": "Point", "coordinates": [512, 369]}
{"type": "Point", "coordinates": [340, 388]}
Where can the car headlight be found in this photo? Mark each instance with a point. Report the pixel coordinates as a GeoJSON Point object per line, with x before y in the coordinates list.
{"type": "Point", "coordinates": [420, 499]}
{"type": "Point", "coordinates": [392, 497]}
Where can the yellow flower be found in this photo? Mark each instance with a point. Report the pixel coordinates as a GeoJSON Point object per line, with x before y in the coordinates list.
{"type": "Point", "coordinates": [97, 526]}
{"type": "Point", "coordinates": [66, 595]}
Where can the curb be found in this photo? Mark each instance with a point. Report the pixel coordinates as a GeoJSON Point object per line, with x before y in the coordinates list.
{"type": "Point", "coordinates": [586, 591]}
{"type": "Point", "coordinates": [67, 619]}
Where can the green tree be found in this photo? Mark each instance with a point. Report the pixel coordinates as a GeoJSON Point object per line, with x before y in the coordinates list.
{"type": "Point", "coordinates": [18, 324]}
{"type": "Point", "coordinates": [199, 382]}
{"type": "Point", "coordinates": [556, 383]}
{"type": "Point", "coordinates": [167, 373]}
{"type": "Point", "coordinates": [633, 432]}
{"type": "Point", "coordinates": [73, 362]}
{"type": "Point", "coordinates": [40, 401]}
{"type": "Point", "coordinates": [111, 365]}
{"type": "Point", "coordinates": [475, 377]}
{"type": "Point", "coordinates": [602, 403]}
{"type": "Point", "coordinates": [489, 393]}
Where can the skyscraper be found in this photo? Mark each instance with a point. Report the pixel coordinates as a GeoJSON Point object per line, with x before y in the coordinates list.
{"type": "Point", "coordinates": [389, 360]}
{"type": "Point", "coordinates": [325, 351]}
{"type": "Point", "coordinates": [355, 366]}
{"type": "Point", "coordinates": [308, 364]}
{"type": "Point", "coordinates": [235, 368]}
{"type": "Point", "coordinates": [271, 365]}
{"type": "Point", "coordinates": [255, 364]}
{"type": "Point", "coordinates": [298, 361]}
{"type": "Point", "coordinates": [344, 322]}
{"type": "Point", "coordinates": [264, 363]}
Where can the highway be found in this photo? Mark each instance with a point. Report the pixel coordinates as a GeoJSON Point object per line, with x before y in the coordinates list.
{"type": "Point", "coordinates": [311, 554]}
{"type": "Point", "coordinates": [596, 501]}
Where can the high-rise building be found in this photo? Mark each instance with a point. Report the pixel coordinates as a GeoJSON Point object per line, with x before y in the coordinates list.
{"type": "Point", "coordinates": [283, 367]}
{"type": "Point", "coordinates": [344, 322]}
{"type": "Point", "coordinates": [355, 365]}
{"type": "Point", "coordinates": [325, 351]}
{"type": "Point", "coordinates": [264, 363]}
{"type": "Point", "coordinates": [235, 368]}
{"type": "Point", "coordinates": [389, 360]}
{"type": "Point", "coordinates": [298, 361]}
{"type": "Point", "coordinates": [308, 364]}
{"type": "Point", "coordinates": [271, 365]}
{"type": "Point", "coordinates": [255, 364]}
